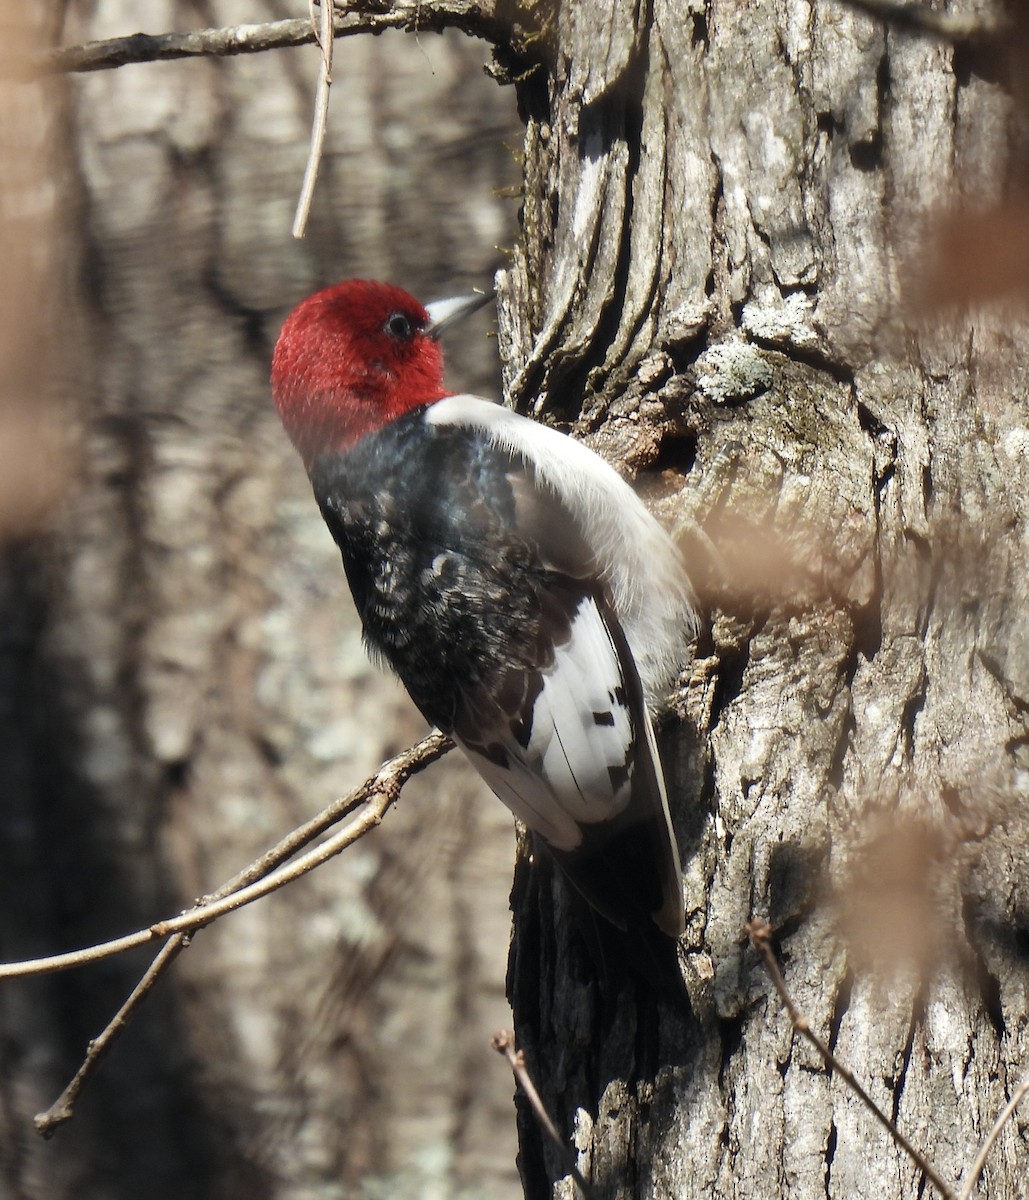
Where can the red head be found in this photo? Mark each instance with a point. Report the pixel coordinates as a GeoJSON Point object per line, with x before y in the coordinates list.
{"type": "Point", "coordinates": [349, 360]}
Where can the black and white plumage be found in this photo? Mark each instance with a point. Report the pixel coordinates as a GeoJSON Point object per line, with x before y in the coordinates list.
{"type": "Point", "coordinates": [533, 608]}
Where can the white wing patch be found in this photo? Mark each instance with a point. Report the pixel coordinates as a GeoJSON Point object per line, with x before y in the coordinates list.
{"type": "Point", "coordinates": [577, 766]}
{"type": "Point", "coordinates": [635, 557]}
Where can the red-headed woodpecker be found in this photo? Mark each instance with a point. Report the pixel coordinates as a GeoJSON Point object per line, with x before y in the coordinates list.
{"type": "Point", "coordinates": [513, 580]}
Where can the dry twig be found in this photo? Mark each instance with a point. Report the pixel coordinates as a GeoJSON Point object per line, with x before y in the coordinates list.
{"type": "Point", "coordinates": [760, 934]}
{"type": "Point", "coordinates": [1006, 1112]}
{"type": "Point", "coordinates": [261, 877]}
{"type": "Point", "coordinates": [63, 1108]}
{"type": "Point", "coordinates": [386, 783]}
{"type": "Point", "coordinates": [504, 1043]}
{"type": "Point", "coordinates": [426, 17]}
{"type": "Point", "coordinates": [326, 40]}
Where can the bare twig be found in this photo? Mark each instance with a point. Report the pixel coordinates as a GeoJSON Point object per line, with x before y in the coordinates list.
{"type": "Point", "coordinates": [475, 19]}
{"type": "Point", "coordinates": [260, 878]}
{"type": "Point", "coordinates": [391, 776]}
{"type": "Point", "coordinates": [63, 1108]}
{"type": "Point", "coordinates": [760, 934]}
{"type": "Point", "coordinates": [326, 40]}
{"type": "Point", "coordinates": [975, 1170]}
{"type": "Point", "coordinates": [919, 18]}
{"type": "Point", "coordinates": [504, 1043]}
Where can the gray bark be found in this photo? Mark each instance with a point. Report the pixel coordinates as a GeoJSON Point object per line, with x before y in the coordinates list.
{"type": "Point", "coordinates": [726, 206]}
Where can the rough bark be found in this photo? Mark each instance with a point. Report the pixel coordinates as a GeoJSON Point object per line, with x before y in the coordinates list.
{"type": "Point", "coordinates": [724, 204]}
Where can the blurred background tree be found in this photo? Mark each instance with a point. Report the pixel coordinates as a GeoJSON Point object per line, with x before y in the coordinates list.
{"type": "Point", "coordinates": [182, 665]}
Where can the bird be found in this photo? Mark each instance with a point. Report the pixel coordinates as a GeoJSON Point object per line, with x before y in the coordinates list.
{"type": "Point", "coordinates": [532, 606]}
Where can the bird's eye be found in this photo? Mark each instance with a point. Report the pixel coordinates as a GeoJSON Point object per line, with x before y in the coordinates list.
{"type": "Point", "coordinates": [399, 326]}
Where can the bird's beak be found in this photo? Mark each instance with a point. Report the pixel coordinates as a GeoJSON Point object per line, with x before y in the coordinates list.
{"type": "Point", "coordinates": [444, 313]}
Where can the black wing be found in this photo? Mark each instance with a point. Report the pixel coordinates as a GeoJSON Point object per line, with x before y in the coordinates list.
{"type": "Point", "coordinates": [478, 589]}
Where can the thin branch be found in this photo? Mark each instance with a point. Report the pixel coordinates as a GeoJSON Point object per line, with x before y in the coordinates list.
{"type": "Point", "coordinates": [919, 18]}
{"type": "Point", "coordinates": [475, 19]}
{"type": "Point", "coordinates": [504, 1043]}
{"type": "Point", "coordinates": [63, 1108]}
{"type": "Point", "coordinates": [326, 41]}
{"type": "Point", "coordinates": [760, 934]}
{"type": "Point", "coordinates": [1005, 1115]}
{"type": "Point", "coordinates": [260, 878]}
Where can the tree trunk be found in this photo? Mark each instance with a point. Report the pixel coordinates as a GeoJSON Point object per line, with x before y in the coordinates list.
{"type": "Point", "coordinates": [725, 207]}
